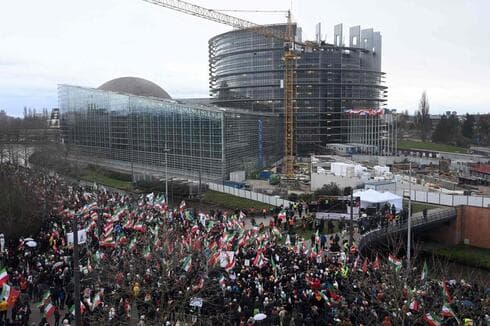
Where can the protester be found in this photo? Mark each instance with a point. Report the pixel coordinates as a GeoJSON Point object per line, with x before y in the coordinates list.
{"type": "Point", "coordinates": [144, 262]}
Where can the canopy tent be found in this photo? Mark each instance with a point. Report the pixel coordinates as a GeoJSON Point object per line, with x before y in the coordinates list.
{"type": "Point", "coordinates": [370, 197]}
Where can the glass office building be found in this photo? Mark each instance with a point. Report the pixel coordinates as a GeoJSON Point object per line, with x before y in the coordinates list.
{"type": "Point", "coordinates": [247, 72]}
{"type": "Point", "coordinates": [130, 133]}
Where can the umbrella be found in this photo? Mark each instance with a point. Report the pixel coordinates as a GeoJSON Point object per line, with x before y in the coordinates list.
{"type": "Point", "coordinates": [58, 264]}
{"type": "Point", "coordinates": [260, 316]}
{"type": "Point", "coordinates": [31, 244]}
{"type": "Point", "coordinates": [28, 239]}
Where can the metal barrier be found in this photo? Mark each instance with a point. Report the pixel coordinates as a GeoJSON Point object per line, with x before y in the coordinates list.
{"type": "Point", "coordinates": [440, 198]}
{"type": "Point", "coordinates": [434, 217]}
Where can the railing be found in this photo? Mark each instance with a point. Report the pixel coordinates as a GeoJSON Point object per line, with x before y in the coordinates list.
{"type": "Point", "coordinates": [434, 216]}
{"type": "Point", "coordinates": [270, 200]}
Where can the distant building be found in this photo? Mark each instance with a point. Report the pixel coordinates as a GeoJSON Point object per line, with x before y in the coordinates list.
{"type": "Point", "coordinates": [339, 92]}
{"type": "Point", "coordinates": [128, 123]}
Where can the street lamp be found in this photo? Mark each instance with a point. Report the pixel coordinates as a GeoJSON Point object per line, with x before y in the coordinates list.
{"type": "Point", "coordinates": [409, 233]}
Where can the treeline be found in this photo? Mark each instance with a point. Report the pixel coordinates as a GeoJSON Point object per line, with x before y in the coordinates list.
{"type": "Point", "coordinates": [471, 130]}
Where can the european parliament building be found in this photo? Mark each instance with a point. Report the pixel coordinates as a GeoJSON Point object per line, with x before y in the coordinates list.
{"type": "Point", "coordinates": [131, 124]}
{"type": "Point", "coordinates": [333, 82]}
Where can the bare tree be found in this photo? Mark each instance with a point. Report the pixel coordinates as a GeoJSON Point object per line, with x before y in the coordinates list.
{"type": "Point", "coordinates": [424, 123]}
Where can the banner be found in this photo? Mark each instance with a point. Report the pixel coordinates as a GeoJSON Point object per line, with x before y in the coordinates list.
{"type": "Point", "coordinates": [82, 237]}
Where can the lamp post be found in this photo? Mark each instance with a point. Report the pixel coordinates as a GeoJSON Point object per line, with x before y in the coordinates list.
{"type": "Point", "coordinates": [409, 233]}
{"type": "Point", "coordinates": [166, 151]}
{"type": "Point", "coordinates": [76, 271]}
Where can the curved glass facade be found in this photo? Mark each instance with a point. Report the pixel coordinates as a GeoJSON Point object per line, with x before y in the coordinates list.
{"type": "Point", "coordinates": [246, 71]}
{"type": "Point", "coordinates": [131, 132]}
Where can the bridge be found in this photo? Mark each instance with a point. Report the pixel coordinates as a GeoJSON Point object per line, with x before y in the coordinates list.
{"type": "Point", "coordinates": [435, 217]}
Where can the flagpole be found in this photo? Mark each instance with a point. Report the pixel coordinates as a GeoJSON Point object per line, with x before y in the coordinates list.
{"type": "Point", "coordinates": [76, 271]}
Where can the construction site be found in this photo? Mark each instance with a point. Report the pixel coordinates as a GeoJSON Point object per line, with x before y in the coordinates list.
{"type": "Point", "coordinates": [300, 97]}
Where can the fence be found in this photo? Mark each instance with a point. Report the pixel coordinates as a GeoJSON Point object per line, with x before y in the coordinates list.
{"type": "Point", "coordinates": [439, 198]}
{"type": "Point", "coordinates": [271, 200]}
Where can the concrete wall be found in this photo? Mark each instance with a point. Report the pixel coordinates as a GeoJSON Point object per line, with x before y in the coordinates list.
{"type": "Point", "coordinates": [472, 226]}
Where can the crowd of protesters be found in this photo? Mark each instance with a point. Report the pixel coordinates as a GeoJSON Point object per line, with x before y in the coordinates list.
{"type": "Point", "coordinates": [145, 263]}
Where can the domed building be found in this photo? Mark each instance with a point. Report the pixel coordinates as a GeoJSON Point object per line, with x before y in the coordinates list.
{"type": "Point", "coordinates": [134, 86]}
{"type": "Point", "coordinates": [127, 123]}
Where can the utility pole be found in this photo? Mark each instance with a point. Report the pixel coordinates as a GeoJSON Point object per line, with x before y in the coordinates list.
{"type": "Point", "coordinates": [76, 271]}
{"type": "Point", "coordinates": [351, 217]}
{"type": "Point", "coordinates": [409, 233]}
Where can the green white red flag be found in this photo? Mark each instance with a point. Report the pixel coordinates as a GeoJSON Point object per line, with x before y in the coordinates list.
{"type": "Point", "coordinates": [4, 276]}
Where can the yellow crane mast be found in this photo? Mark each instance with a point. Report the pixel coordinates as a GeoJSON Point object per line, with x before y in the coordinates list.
{"type": "Point", "coordinates": [289, 58]}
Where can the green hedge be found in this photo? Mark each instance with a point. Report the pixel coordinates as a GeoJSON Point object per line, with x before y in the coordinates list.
{"type": "Point", "coordinates": [466, 255]}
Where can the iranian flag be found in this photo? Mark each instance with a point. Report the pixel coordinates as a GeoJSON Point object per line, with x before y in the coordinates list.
{"type": "Point", "coordinates": [282, 215]}
{"type": "Point", "coordinates": [139, 226]}
{"type": "Point", "coordinates": [414, 305]}
{"type": "Point", "coordinates": [447, 311]}
{"type": "Point", "coordinates": [365, 266]}
{"type": "Point", "coordinates": [446, 293]}
{"type": "Point", "coordinates": [182, 206]}
{"type": "Point", "coordinates": [231, 262]}
{"type": "Point", "coordinates": [277, 233]}
{"type": "Point", "coordinates": [377, 263]}
{"type": "Point", "coordinates": [97, 301]}
{"type": "Point", "coordinates": [132, 244]}
{"type": "Point", "coordinates": [108, 242]}
{"type": "Point", "coordinates": [82, 309]}
{"type": "Point", "coordinates": [259, 260]}
{"type": "Point", "coordinates": [4, 276]}
{"type": "Point", "coordinates": [49, 310]}
{"type": "Point", "coordinates": [425, 272]}
{"type": "Point", "coordinates": [187, 265]}
{"type": "Point", "coordinates": [147, 253]}
{"type": "Point", "coordinates": [431, 319]}
{"type": "Point", "coordinates": [228, 236]}
{"type": "Point", "coordinates": [395, 261]}
{"type": "Point", "coordinates": [214, 259]}
{"type": "Point", "coordinates": [128, 224]}
{"type": "Point", "coordinates": [199, 285]}
{"type": "Point", "coordinates": [44, 299]}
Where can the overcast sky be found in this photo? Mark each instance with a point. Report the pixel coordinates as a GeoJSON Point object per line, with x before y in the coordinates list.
{"type": "Point", "coordinates": [441, 46]}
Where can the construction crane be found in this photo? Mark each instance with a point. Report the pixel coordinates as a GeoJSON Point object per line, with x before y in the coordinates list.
{"type": "Point", "coordinates": [289, 57]}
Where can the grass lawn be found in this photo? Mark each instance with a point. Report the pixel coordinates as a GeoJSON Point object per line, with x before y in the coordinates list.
{"type": "Point", "coordinates": [467, 255]}
{"type": "Point", "coordinates": [410, 144]}
{"type": "Point", "coordinates": [229, 201]}
{"type": "Point", "coordinates": [108, 181]}
{"type": "Point", "coordinates": [418, 207]}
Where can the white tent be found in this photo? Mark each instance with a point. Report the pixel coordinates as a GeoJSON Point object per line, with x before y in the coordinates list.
{"type": "Point", "coordinates": [370, 197]}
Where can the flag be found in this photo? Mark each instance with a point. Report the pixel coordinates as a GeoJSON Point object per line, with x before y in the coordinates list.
{"type": "Point", "coordinates": [282, 215]}
{"type": "Point", "coordinates": [365, 265]}
{"type": "Point", "coordinates": [132, 244]}
{"type": "Point", "coordinates": [425, 272]}
{"type": "Point", "coordinates": [356, 263]}
{"type": "Point", "coordinates": [5, 294]}
{"type": "Point", "coordinates": [259, 260]}
{"type": "Point", "coordinates": [82, 309]}
{"type": "Point", "coordinates": [187, 265]}
{"type": "Point", "coordinates": [182, 206]}
{"type": "Point", "coordinates": [431, 319]}
{"type": "Point", "coordinates": [445, 292]}
{"type": "Point", "coordinates": [199, 285]}
{"type": "Point", "coordinates": [288, 240]}
{"type": "Point", "coordinates": [377, 263]}
{"type": "Point", "coordinates": [14, 294]}
{"type": "Point", "coordinates": [231, 262]}
{"type": "Point", "coordinates": [334, 296]}
{"type": "Point", "coordinates": [447, 311]}
{"type": "Point", "coordinates": [214, 258]}
{"type": "Point", "coordinates": [4, 276]}
{"type": "Point", "coordinates": [147, 253]}
{"type": "Point", "coordinates": [139, 226]}
{"type": "Point", "coordinates": [274, 266]}
{"type": "Point", "coordinates": [395, 261]}
{"type": "Point", "coordinates": [414, 305]}
{"type": "Point", "coordinates": [277, 233]}
{"type": "Point", "coordinates": [48, 310]}
{"type": "Point", "coordinates": [97, 301]}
